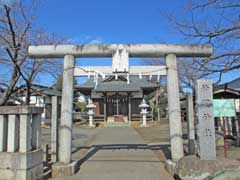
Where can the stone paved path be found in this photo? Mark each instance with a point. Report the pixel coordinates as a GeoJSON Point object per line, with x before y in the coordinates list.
{"type": "Point", "coordinates": [119, 153]}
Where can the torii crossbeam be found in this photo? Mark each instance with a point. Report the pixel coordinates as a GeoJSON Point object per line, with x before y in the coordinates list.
{"type": "Point", "coordinates": [107, 50]}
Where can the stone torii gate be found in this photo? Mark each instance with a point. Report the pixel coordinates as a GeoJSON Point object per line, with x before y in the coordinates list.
{"type": "Point", "coordinates": [120, 54]}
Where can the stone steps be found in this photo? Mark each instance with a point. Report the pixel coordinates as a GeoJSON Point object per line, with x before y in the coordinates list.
{"type": "Point", "coordinates": [117, 124]}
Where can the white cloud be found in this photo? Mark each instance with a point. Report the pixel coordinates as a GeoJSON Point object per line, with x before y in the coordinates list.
{"type": "Point", "coordinates": [86, 39]}
{"type": "Point", "coordinates": [95, 41]}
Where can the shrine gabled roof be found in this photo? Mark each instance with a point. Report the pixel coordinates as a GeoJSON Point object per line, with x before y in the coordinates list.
{"type": "Point", "coordinates": [234, 84]}
{"type": "Point", "coordinates": [37, 89]}
{"type": "Point", "coordinates": [227, 90]}
{"type": "Point", "coordinates": [110, 84]}
{"type": "Point", "coordinates": [50, 92]}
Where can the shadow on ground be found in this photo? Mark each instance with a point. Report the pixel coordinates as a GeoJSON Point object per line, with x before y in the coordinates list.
{"type": "Point", "coordinates": [92, 150]}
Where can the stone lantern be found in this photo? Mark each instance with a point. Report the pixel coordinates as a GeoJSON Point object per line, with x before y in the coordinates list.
{"type": "Point", "coordinates": [144, 112]}
{"type": "Point", "coordinates": [91, 112]}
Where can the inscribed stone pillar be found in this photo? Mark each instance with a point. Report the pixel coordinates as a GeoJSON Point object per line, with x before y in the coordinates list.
{"type": "Point", "coordinates": [190, 125]}
{"type": "Point", "coordinates": [54, 127]}
{"type": "Point", "coordinates": [206, 127]}
{"type": "Point", "coordinates": [65, 144]}
{"type": "Point", "coordinates": [174, 108]}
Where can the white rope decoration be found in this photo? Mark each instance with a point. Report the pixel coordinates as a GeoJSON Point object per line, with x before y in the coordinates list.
{"type": "Point", "coordinates": [96, 74]}
{"type": "Point", "coordinates": [100, 73]}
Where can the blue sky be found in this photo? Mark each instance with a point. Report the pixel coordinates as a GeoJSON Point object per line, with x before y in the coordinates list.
{"type": "Point", "coordinates": [110, 21]}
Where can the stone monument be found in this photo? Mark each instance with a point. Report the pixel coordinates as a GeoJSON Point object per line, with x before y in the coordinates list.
{"type": "Point", "coordinates": [205, 120]}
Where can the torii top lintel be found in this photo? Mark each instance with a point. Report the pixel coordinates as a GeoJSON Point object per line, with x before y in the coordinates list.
{"type": "Point", "coordinates": [107, 50]}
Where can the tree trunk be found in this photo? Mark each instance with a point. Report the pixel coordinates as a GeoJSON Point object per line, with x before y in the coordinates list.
{"type": "Point", "coordinates": [28, 93]}
{"type": "Point", "coordinates": [7, 93]}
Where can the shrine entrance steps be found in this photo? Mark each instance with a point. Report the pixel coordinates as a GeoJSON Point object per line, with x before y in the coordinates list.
{"type": "Point", "coordinates": [117, 124]}
{"type": "Point", "coordinates": [117, 121]}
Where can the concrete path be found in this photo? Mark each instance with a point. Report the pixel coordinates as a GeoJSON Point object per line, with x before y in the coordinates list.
{"type": "Point", "coordinates": [119, 153]}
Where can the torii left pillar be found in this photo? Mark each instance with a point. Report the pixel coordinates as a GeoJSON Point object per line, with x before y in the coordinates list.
{"type": "Point", "coordinates": [65, 167]}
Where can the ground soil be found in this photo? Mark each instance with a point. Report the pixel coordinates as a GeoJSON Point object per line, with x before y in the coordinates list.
{"type": "Point", "coordinates": [158, 133]}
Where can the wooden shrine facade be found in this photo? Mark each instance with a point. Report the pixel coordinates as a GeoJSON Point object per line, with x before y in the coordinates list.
{"type": "Point", "coordinates": [117, 97]}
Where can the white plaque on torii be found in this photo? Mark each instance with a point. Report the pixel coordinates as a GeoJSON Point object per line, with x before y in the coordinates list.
{"type": "Point", "coordinates": [120, 60]}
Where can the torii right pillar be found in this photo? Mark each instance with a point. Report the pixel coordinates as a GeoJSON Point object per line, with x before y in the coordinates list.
{"type": "Point", "coordinates": [174, 108]}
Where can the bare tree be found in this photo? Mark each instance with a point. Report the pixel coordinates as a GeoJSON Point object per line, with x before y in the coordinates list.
{"type": "Point", "coordinates": [16, 33]}
{"type": "Point", "coordinates": [186, 72]}
{"type": "Point", "coordinates": [216, 22]}
{"type": "Point", "coordinates": [32, 68]}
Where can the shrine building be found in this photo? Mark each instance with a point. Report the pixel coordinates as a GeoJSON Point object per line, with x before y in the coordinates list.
{"type": "Point", "coordinates": [118, 98]}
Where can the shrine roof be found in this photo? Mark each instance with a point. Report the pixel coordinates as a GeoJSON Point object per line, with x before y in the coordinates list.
{"type": "Point", "coordinates": [227, 90]}
{"type": "Point", "coordinates": [110, 84]}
